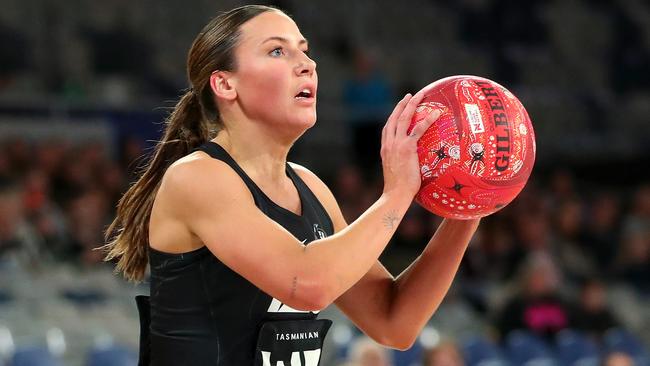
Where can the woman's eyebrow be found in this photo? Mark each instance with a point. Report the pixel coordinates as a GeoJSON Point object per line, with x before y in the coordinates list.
{"type": "Point", "coordinates": [284, 40]}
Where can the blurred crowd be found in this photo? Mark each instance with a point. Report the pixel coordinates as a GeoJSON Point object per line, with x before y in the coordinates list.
{"type": "Point", "coordinates": [565, 255]}
{"type": "Point", "coordinates": [571, 253]}
{"type": "Point", "coordinates": [580, 66]}
{"type": "Point", "coordinates": [557, 258]}
{"type": "Point", "coordinates": [364, 352]}
{"type": "Point", "coordinates": [57, 198]}
{"type": "Point", "coordinates": [550, 261]}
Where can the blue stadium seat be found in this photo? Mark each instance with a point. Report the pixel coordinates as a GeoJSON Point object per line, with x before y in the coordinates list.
{"type": "Point", "coordinates": [112, 356]}
{"type": "Point", "coordinates": [574, 348]}
{"type": "Point", "coordinates": [619, 340]}
{"type": "Point", "coordinates": [479, 351]}
{"type": "Point", "coordinates": [342, 335]}
{"type": "Point", "coordinates": [84, 296]}
{"type": "Point", "coordinates": [33, 356]}
{"type": "Point", "coordinates": [525, 348]}
{"type": "Point", "coordinates": [5, 296]}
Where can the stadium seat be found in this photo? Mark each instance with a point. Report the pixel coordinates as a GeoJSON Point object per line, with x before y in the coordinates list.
{"type": "Point", "coordinates": [479, 351]}
{"type": "Point", "coordinates": [33, 356]}
{"type": "Point", "coordinates": [575, 349]}
{"type": "Point", "coordinates": [5, 296]}
{"type": "Point", "coordinates": [410, 357]}
{"type": "Point", "coordinates": [112, 356]}
{"type": "Point", "coordinates": [342, 335]}
{"type": "Point", "coordinates": [84, 296]}
{"type": "Point", "coordinates": [619, 340]}
{"type": "Point", "coordinates": [524, 348]}
{"type": "Point", "coordinates": [6, 344]}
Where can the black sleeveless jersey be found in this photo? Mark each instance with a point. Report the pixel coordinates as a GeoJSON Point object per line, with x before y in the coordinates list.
{"type": "Point", "coordinates": [200, 311]}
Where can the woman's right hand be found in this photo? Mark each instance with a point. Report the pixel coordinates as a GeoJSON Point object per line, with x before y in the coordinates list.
{"type": "Point", "coordinates": [399, 150]}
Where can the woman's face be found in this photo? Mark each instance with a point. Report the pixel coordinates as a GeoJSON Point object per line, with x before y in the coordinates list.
{"type": "Point", "coordinates": [273, 70]}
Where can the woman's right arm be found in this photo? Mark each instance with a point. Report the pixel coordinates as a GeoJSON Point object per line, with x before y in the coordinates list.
{"type": "Point", "coordinates": [215, 204]}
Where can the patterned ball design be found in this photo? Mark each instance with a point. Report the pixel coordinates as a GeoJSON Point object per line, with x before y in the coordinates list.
{"type": "Point", "coordinates": [478, 155]}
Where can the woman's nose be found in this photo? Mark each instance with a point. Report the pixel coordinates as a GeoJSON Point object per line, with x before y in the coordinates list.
{"type": "Point", "coordinates": [307, 66]}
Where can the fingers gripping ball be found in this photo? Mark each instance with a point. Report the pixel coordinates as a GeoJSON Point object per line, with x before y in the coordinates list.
{"type": "Point", "coordinates": [478, 155]}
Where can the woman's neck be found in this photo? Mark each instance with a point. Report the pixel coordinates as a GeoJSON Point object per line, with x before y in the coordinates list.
{"type": "Point", "coordinates": [260, 155]}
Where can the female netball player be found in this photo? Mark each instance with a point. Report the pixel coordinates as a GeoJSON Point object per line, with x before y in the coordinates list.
{"type": "Point", "coordinates": [246, 248]}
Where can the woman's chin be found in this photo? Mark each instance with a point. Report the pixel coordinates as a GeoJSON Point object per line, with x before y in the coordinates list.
{"type": "Point", "coordinates": [305, 120]}
{"type": "Point", "coordinates": [299, 127]}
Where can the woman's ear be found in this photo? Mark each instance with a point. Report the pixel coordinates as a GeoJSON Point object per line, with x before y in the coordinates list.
{"type": "Point", "coordinates": [223, 85]}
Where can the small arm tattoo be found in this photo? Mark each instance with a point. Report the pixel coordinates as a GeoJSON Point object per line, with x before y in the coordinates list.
{"type": "Point", "coordinates": [294, 285]}
{"type": "Point", "coordinates": [390, 219]}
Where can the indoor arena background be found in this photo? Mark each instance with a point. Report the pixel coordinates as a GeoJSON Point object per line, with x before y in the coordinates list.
{"type": "Point", "coordinates": [84, 86]}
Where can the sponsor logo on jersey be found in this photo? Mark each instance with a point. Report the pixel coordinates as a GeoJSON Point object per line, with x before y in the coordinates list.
{"type": "Point", "coordinates": [311, 358]}
{"type": "Point", "coordinates": [295, 336]}
{"type": "Point", "coordinates": [319, 233]}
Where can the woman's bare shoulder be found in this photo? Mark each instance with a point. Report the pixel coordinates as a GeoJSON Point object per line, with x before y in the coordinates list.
{"type": "Point", "coordinates": [197, 179]}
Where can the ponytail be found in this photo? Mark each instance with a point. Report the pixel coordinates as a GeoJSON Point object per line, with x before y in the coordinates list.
{"type": "Point", "coordinates": [128, 234]}
{"type": "Point", "coordinates": [187, 127]}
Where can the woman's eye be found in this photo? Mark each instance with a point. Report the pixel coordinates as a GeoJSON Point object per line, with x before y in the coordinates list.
{"type": "Point", "coordinates": [306, 52]}
{"type": "Point", "coordinates": [276, 52]}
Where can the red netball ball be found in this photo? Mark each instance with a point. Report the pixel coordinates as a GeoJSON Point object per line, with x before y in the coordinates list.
{"type": "Point", "coordinates": [478, 155]}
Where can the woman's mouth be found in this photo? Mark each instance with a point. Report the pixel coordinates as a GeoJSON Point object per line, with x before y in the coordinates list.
{"type": "Point", "coordinates": [304, 94]}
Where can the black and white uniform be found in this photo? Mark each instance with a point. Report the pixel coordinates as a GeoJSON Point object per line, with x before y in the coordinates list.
{"type": "Point", "coordinates": [200, 312]}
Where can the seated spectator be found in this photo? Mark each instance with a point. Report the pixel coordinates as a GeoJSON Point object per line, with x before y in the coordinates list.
{"type": "Point", "coordinates": [444, 354]}
{"type": "Point", "coordinates": [576, 259]}
{"type": "Point", "coordinates": [367, 98]}
{"type": "Point", "coordinates": [561, 186]}
{"type": "Point", "coordinates": [46, 217]}
{"type": "Point", "coordinates": [618, 359]}
{"type": "Point", "coordinates": [409, 240]}
{"type": "Point", "coordinates": [87, 215]}
{"type": "Point", "coordinates": [637, 219]}
{"type": "Point", "coordinates": [537, 306]}
{"type": "Point", "coordinates": [593, 316]}
{"type": "Point", "coordinates": [602, 231]}
{"type": "Point", "coordinates": [633, 263]}
{"type": "Point", "coordinates": [348, 188]}
{"type": "Point", "coordinates": [366, 352]}
{"type": "Point", "coordinates": [19, 241]}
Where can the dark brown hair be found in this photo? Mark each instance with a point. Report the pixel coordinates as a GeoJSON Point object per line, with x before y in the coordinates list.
{"type": "Point", "coordinates": [193, 121]}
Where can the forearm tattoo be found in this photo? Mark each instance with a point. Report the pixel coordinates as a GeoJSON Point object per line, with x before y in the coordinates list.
{"type": "Point", "coordinates": [390, 219]}
{"type": "Point", "coordinates": [293, 286]}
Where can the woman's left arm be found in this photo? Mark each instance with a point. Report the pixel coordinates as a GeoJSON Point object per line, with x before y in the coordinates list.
{"type": "Point", "coordinates": [394, 311]}
{"type": "Point", "coordinates": [390, 310]}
